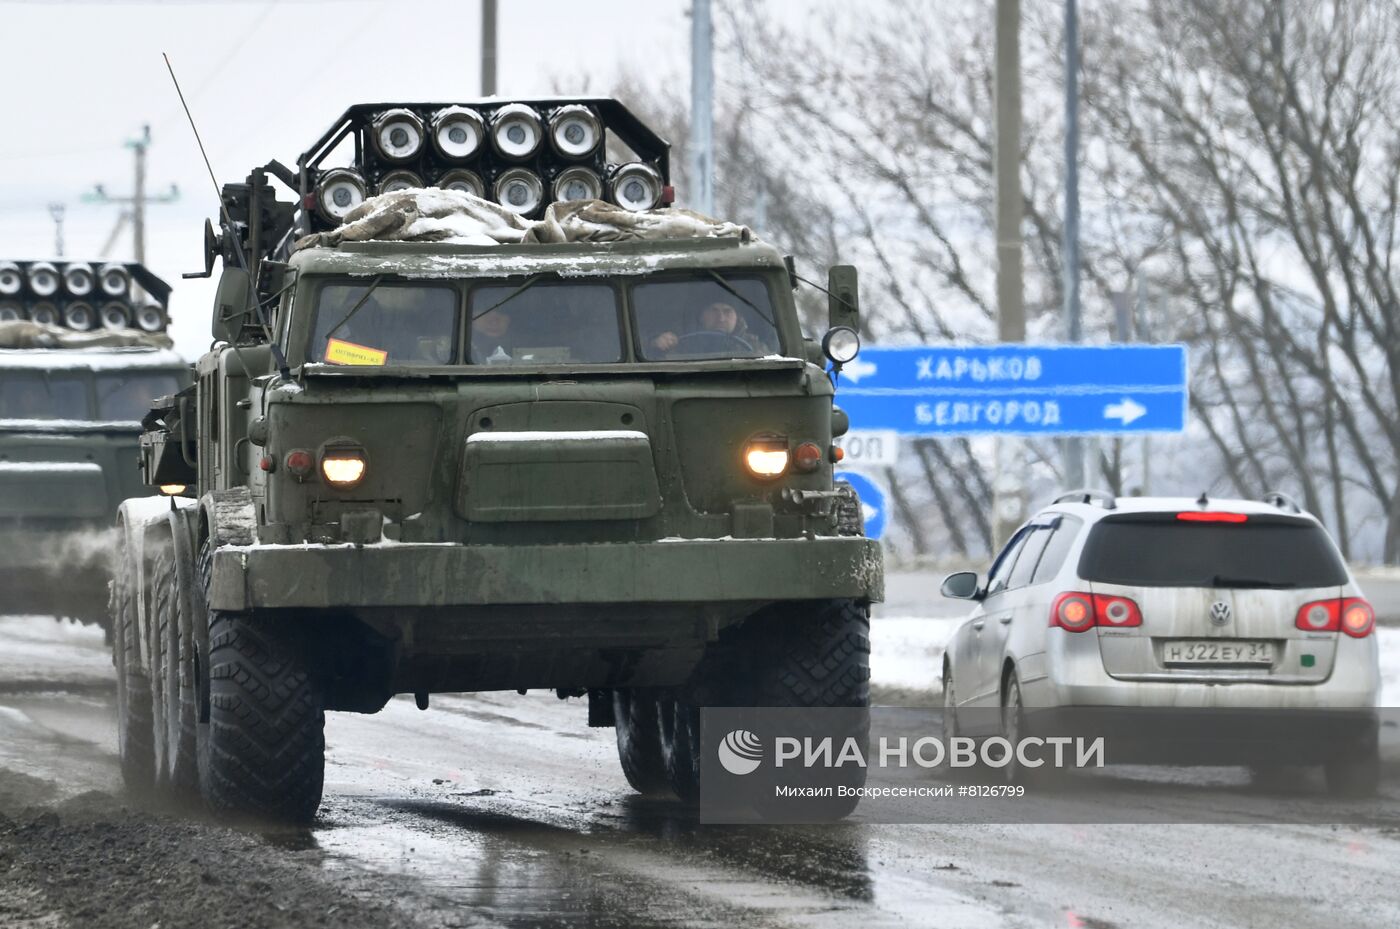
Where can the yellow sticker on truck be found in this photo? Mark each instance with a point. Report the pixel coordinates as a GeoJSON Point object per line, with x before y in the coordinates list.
{"type": "Point", "coordinates": [340, 352]}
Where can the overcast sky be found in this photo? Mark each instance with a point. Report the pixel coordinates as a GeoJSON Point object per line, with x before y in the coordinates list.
{"type": "Point", "coordinates": [264, 80]}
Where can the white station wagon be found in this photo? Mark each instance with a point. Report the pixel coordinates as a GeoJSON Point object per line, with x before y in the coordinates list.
{"type": "Point", "coordinates": [1167, 603]}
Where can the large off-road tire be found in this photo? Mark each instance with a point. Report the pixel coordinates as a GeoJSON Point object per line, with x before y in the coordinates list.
{"type": "Point", "coordinates": [134, 725]}
{"type": "Point", "coordinates": [174, 717]}
{"type": "Point", "coordinates": [850, 518]}
{"type": "Point", "coordinates": [639, 740]}
{"type": "Point", "coordinates": [262, 751]}
{"type": "Point", "coordinates": [808, 654]}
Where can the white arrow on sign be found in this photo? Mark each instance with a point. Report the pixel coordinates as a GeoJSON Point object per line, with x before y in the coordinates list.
{"type": "Point", "coordinates": [858, 369]}
{"type": "Point", "coordinates": [1126, 411]}
{"type": "Point", "coordinates": [868, 513]}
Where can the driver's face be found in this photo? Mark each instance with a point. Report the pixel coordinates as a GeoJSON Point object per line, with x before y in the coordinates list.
{"type": "Point", "coordinates": [493, 325]}
{"type": "Point", "coordinates": [719, 317]}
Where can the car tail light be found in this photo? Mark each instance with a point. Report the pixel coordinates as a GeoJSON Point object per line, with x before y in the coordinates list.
{"type": "Point", "coordinates": [1078, 612]}
{"type": "Point", "coordinates": [807, 456]}
{"type": "Point", "coordinates": [1198, 517]}
{"type": "Point", "coordinates": [1358, 619]}
{"type": "Point", "coordinates": [1073, 611]}
{"type": "Point", "coordinates": [1115, 612]}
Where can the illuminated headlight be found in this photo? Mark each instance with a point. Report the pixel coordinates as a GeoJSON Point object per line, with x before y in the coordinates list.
{"type": "Point", "coordinates": [343, 465]}
{"type": "Point", "coordinates": [399, 180]}
{"type": "Point", "coordinates": [519, 190]}
{"type": "Point", "coordinates": [578, 184]}
{"type": "Point", "coordinates": [636, 187]}
{"type": "Point", "coordinates": [113, 315]}
{"type": "Point", "coordinates": [397, 134]}
{"type": "Point", "coordinates": [340, 191]}
{"type": "Point", "coordinates": [150, 318]}
{"type": "Point", "coordinates": [516, 131]}
{"type": "Point", "coordinates": [468, 182]}
{"type": "Point", "coordinates": [43, 279]}
{"type": "Point", "coordinates": [766, 456]}
{"type": "Point", "coordinates": [11, 279]}
{"type": "Point", "coordinates": [10, 311]}
{"type": "Point", "coordinates": [574, 131]}
{"type": "Point", "coordinates": [841, 345]}
{"type": "Point", "coordinates": [114, 279]}
{"type": "Point", "coordinates": [45, 313]}
{"type": "Point", "coordinates": [79, 316]}
{"type": "Point", "coordinates": [458, 132]}
{"type": "Point", "coordinates": [78, 279]}
{"type": "Point", "coordinates": [172, 490]}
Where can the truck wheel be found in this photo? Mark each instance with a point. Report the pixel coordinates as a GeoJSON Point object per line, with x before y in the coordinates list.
{"type": "Point", "coordinates": [176, 742]}
{"type": "Point", "coordinates": [134, 724]}
{"type": "Point", "coordinates": [680, 746]}
{"type": "Point", "coordinates": [639, 740]}
{"type": "Point", "coordinates": [850, 519]}
{"type": "Point", "coordinates": [262, 751]}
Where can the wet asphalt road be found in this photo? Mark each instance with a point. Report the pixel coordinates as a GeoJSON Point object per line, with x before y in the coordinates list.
{"type": "Point", "coordinates": [502, 810]}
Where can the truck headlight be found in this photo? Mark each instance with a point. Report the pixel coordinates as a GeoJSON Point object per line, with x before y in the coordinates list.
{"type": "Point", "coordinates": [342, 464]}
{"type": "Point", "coordinates": [841, 345]}
{"type": "Point", "coordinates": [766, 456]}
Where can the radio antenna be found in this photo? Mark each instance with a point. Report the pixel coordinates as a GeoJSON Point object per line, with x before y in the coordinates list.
{"type": "Point", "coordinates": [227, 223]}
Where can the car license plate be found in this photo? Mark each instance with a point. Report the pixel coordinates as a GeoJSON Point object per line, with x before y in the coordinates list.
{"type": "Point", "coordinates": [1217, 651]}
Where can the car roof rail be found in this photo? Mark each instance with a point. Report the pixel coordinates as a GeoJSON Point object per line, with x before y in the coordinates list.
{"type": "Point", "coordinates": [1088, 495]}
{"type": "Point", "coordinates": [1281, 500]}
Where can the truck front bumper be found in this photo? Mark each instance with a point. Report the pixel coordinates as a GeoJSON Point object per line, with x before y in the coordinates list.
{"type": "Point", "coordinates": [390, 575]}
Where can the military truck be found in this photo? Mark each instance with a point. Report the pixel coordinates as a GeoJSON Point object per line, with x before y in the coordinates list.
{"type": "Point", "coordinates": [82, 355]}
{"type": "Point", "coordinates": [515, 425]}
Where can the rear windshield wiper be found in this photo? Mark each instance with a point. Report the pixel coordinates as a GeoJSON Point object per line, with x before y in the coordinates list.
{"type": "Point", "coordinates": [1221, 580]}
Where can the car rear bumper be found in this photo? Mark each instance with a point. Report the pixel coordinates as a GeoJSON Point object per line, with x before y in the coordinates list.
{"type": "Point", "coordinates": [393, 575]}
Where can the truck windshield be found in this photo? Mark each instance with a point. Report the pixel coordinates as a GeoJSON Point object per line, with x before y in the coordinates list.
{"type": "Point", "coordinates": [545, 322]}
{"type": "Point", "coordinates": [709, 317]}
{"type": "Point", "coordinates": [1162, 551]}
{"type": "Point", "coordinates": [39, 395]}
{"type": "Point", "coordinates": [127, 396]}
{"type": "Point", "coordinates": [386, 323]}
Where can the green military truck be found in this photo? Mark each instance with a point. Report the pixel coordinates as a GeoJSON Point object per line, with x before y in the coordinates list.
{"type": "Point", "coordinates": [82, 354]}
{"type": "Point", "coordinates": [482, 415]}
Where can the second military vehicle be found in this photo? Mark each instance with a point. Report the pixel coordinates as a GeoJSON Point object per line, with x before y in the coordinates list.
{"type": "Point", "coordinates": [574, 443]}
{"type": "Point", "coordinates": [83, 353]}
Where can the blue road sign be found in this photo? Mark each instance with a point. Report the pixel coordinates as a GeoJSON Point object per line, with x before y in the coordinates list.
{"type": "Point", "coordinates": [872, 502]}
{"type": "Point", "coordinates": [1017, 389]}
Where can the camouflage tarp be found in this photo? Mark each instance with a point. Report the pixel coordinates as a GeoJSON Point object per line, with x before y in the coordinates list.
{"type": "Point", "coordinates": [454, 216]}
{"type": "Point", "coordinates": [26, 334]}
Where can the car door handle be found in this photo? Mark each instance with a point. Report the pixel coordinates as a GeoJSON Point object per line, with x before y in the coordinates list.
{"type": "Point", "coordinates": [978, 625]}
{"type": "Point", "coordinates": [1004, 620]}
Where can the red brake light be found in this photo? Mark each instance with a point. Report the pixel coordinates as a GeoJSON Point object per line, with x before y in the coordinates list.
{"type": "Point", "coordinates": [1358, 619]}
{"type": "Point", "coordinates": [1073, 611]}
{"type": "Point", "coordinates": [300, 462]}
{"type": "Point", "coordinates": [1319, 616]}
{"type": "Point", "coordinates": [1198, 517]}
{"type": "Point", "coordinates": [1078, 612]}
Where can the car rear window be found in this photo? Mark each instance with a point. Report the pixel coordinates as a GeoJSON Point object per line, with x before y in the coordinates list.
{"type": "Point", "coordinates": [1159, 550]}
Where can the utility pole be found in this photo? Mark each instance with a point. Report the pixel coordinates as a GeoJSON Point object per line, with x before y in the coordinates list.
{"type": "Point", "coordinates": [488, 48]}
{"type": "Point", "coordinates": [1074, 445]}
{"type": "Point", "coordinates": [56, 210]}
{"type": "Point", "coordinates": [702, 117]}
{"type": "Point", "coordinates": [1009, 485]}
{"type": "Point", "coordinates": [138, 199]}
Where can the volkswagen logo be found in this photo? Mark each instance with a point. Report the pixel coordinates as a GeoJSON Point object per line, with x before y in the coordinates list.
{"type": "Point", "coordinates": [1219, 613]}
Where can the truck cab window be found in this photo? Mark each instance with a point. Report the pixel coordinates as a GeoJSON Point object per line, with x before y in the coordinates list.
{"type": "Point", "coordinates": [34, 395]}
{"type": "Point", "coordinates": [385, 323]}
{"type": "Point", "coordinates": [544, 322]}
{"type": "Point", "coordinates": [127, 396]}
{"type": "Point", "coordinates": [709, 317]}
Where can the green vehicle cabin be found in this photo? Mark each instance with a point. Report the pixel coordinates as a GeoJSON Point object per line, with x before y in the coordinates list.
{"type": "Point", "coordinates": [82, 355]}
{"type": "Point", "coordinates": [602, 468]}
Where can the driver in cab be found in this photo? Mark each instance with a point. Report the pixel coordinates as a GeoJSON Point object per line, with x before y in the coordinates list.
{"type": "Point", "coordinates": [718, 320]}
